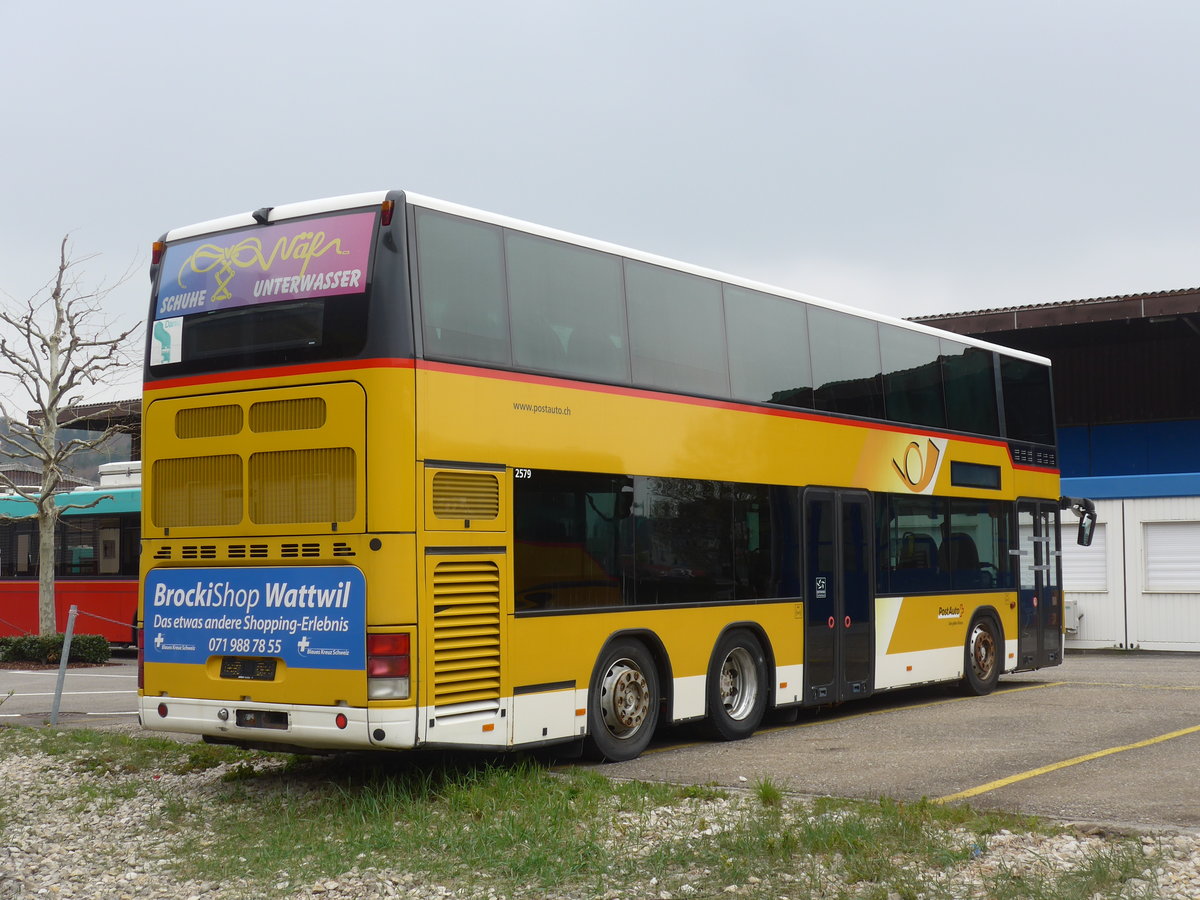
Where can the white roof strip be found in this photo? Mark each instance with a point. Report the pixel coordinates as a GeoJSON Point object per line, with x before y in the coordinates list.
{"type": "Point", "coordinates": [351, 201]}
{"type": "Point", "coordinates": [278, 213]}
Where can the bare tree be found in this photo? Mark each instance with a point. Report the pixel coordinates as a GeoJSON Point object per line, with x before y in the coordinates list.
{"type": "Point", "coordinates": [57, 345]}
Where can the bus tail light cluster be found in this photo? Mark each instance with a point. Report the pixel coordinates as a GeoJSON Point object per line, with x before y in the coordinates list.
{"type": "Point", "coordinates": [141, 658]}
{"type": "Point", "coordinates": [389, 663]}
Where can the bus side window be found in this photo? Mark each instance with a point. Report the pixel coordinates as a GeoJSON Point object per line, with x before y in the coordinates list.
{"type": "Point", "coordinates": [110, 547]}
{"type": "Point", "coordinates": [24, 558]}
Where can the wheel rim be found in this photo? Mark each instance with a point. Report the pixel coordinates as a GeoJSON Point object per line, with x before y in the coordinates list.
{"type": "Point", "coordinates": [624, 699]}
{"type": "Point", "coordinates": [983, 652]}
{"type": "Point", "coordinates": [739, 683]}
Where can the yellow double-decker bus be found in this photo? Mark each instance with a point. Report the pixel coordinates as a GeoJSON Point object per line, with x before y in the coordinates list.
{"type": "Point", "coordinates": [418, 475]}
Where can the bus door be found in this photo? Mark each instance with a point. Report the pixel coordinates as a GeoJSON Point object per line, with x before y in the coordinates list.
{"type": "Point", "coordinates": [838, 619]}
{"type": "Point", "coordinates": [1039, 600]}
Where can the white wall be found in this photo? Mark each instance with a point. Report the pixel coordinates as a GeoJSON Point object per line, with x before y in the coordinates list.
{"type": "Point", "coordinates": [1118, 602]}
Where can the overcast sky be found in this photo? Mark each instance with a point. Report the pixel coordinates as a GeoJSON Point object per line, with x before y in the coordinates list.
{"type": "Point", "coordinates": [909, 158]}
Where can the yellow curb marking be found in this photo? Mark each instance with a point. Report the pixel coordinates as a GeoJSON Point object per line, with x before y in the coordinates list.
{"type": "Point", "coordinates": [1087, 757]}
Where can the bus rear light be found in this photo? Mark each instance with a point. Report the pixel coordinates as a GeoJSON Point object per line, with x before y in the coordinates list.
{"type": "Point", "coordinates": [162, 710]}
{"type": "Point", "coordinates": [141, 658]}
{"type": "Point", "coordinates": [156, 252]}
{"type": "Point", "coordinates": [387, 689]}
{"type": "Point", "coordinates": [388, 210]}
{"type": "Point", "coordinates": [388, 644]}
{"type": "Point", "coordinates": [341, 721]}
{"type": "Point", "coordinates": [389, 666]}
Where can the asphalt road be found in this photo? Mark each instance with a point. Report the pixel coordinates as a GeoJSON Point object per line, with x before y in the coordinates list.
{"type": "Point", "coordinates": [95, 697]}
{"type": "Point", "coordinates": [1111, 738]}
{"type": "Point", "coordinates": [1104, 738]}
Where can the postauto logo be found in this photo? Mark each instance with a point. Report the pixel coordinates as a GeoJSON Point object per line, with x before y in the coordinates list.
{"type": "Point", "coordinates": [918, 464]}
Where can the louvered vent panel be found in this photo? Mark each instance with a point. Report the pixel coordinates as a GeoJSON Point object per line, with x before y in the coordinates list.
{"type": "Point", "coordinates": [302, 486]}
{"type": "Point", "coordinates": [290, 550]}
{"type": "Point", "coordinates": [199, 490]}
{"type": "Point", "coordinates": [234, 551]}
{"type": "Point", "coordinates": [208, 421]}
{"type": "Point", "coordinates": [202, 552]}
{"type": "Point", "coordinates": [466, 635]}
{"type": "Point", "coordinates": [287, 415]}
{"type": "Point", "coordinates": [466, 495]}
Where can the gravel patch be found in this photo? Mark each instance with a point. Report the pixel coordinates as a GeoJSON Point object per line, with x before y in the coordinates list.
{"type": "Point", "coordinates": [63, 837]}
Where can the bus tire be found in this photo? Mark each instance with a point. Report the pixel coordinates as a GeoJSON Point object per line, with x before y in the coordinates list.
{"type": "Point", "coordinates": [623, 702]}
{"type": "Point", "coordinates": [736, 686]}
{"type": "Point", "coordinates": [981, 664]}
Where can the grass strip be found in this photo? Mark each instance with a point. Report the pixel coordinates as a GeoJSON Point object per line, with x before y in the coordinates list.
{"type": "Point", "coordinates": [266, 824]}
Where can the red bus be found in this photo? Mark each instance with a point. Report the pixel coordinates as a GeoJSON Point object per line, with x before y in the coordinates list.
{"type": "Point", "coordinates": [96, 564]}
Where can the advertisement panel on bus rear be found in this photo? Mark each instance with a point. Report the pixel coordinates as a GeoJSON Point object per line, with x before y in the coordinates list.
{"type": "Point", "coordinates": [266, 264]}
{"type": "Point", "coordinates": [311, 617]}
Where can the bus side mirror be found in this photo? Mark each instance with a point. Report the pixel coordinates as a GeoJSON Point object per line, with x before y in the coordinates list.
{"type": "Point", "coordinates": [1087, 528]}
{"type": "Point", "coordinates": [1086, 510]}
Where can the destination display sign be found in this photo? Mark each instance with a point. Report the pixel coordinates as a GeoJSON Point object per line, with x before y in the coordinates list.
{"type": "Point", "coordinates": [291, 260]}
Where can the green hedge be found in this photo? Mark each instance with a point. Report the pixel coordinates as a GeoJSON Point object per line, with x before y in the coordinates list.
{"type": "Point", "coordinates": [85, 648]}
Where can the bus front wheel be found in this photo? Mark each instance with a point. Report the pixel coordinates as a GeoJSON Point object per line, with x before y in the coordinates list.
{"type": "Point", "coordinates": [623, 703]}
{"type": "Point", "coordinates": [737, 686]}
{"type": "Point", "coordinates": [982, 662]}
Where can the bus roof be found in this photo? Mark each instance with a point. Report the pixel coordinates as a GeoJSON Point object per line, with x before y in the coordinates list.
{"type": "Point", "coordinates": [118, 500]}
{"type": "Point", "coordinates": [374, 198]}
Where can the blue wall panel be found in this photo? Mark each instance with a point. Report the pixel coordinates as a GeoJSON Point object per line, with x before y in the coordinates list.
{"type": "Point", "coordinates": [1147, 448]}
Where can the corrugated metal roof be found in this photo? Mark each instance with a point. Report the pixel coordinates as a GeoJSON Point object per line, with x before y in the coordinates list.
{"type": "Point", "coordinates": [1182, 301]}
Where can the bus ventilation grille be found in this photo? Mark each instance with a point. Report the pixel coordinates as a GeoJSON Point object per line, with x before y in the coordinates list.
{"type": "Point", "coordinates": [307, 550]}
{"type": "Point", "coordinates": [291, 551]}
{"type": "Point", "coordinates": [466, 639]}
{"type": "Point", "coordinates": [208, 421]}
{"type": "Point", "coordinates": [249, 551]}
{"type": "Point", "coordinates": [466, 495]}
{"type": "Point", "coordinates": [197, 552]}
{"type": "Point", "coordinates": [288, 415]}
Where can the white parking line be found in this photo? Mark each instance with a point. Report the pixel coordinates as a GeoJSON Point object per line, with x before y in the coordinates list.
{"type": "Point", "coordinates": [70, 674]}
{"type": "Point", "coordinates": [67, 693]}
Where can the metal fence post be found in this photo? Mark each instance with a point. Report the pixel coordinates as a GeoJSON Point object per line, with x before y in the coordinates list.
{"type": "Point", "coordinates": [62, 663]}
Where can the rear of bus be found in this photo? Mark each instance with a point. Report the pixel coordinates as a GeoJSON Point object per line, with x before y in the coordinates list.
{"type": "Point", "coordinates": [278, 385]}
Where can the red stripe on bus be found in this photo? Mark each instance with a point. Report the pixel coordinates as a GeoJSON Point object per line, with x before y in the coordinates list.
{"type": "Point", "coordinates": [551, 381]}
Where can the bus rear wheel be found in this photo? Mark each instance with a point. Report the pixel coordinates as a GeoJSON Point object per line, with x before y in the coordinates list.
{"type": "Point", "coordinates": [623, 703]}
{"type": "Point", "coordinates": [981, 670]}
{"type": "Point", "coordinates": [737, 686]}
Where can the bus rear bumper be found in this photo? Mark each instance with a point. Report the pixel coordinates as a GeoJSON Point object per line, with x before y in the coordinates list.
{"type": "Point", "coordinates": [294, 725]}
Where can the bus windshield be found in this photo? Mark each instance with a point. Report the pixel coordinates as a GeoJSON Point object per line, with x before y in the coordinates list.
{"type": "Point", "coordinates": [295, 291]}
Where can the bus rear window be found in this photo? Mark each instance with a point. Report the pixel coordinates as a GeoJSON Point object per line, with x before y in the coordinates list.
{"type": "Point", "coordinates": [301, 331]}
{"type": "Point", "coordinates": [286, 327]}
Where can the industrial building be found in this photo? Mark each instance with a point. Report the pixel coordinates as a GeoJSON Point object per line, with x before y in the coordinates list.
{"type": "Point", "coordinates": [1127, 396]}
